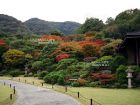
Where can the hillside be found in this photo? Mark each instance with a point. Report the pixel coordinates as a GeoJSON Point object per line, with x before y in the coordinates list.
{"type": "Point", "coordinates": [39, 26]}
{"type": "Point", "coordinates": [9, 24]}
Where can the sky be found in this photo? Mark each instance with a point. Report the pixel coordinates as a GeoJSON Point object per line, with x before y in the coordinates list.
{"type": "Point", "coordinates": [65, 10]}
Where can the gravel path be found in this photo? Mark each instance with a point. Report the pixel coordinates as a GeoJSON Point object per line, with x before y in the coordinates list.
{"type": "Point", "coordinates": [32, 95]}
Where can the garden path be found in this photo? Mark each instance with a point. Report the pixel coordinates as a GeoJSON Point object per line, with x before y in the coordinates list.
{"type": "Point", "coordinates": [33, 95]}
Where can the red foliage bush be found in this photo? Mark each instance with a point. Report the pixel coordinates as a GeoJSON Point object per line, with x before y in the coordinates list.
{"type": "Point", "coordinates": [104, 78]}
{"type": "Point", "coordinates": [2, 42]}
{"type": "Point", "coordinates": [98, 43]}
{"type": "Point", "coordinates": [61, 56]}
{"type": "Point", "coordinates": [99, 76]}
{"type": "Point", "coordinates": [105, 81]}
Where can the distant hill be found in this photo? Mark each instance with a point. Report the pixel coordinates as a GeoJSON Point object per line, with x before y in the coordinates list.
{"type": "Point", "coordinates": [39, 26]}
{"type": "Point", "coordinates": [11, 25]}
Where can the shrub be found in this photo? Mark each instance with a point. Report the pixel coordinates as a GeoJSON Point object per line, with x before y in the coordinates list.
{"type": "Point", "coordinates": [104, 78]}
{"type": "Point", "coordinates": [75, 84]}
{"type": "Point", "coordinates": [63, 64]}
{"type": "Point", "coordinates": [47, 79]}
{"type": "Point", "coordinates": [75, 75]}
{"type": "Point", "coordinates": [106, 81]}
{"type": "Point", "coordinates": [55, 77]}
{"type": "Point", "coordinates": [118, 85]}
{"type": "Point", "coordinates": [136, 68]}
{"type": "Point", "coordinates": [82, 82]}
{"type": "Point", "coordinates": [62, 56]}
{"type": "Point", "coordinates": [118, 60]}
{"type": "Point", "coordinates": [103, 61]}
{"type": "Point", "coordinates": [15, 73]}
{"type": "Point", "coordinates": [61, 80]}
{"type": "Point", "coordinates": [37, 65]}
{"type": "Point", "coordinates": [83, 74]}
{"type": "Point", "coordinates": [121, 74]}
{"type": "Point", "coordinates": [42, 74]}
{"type": "Point", "coordinates": [99, 76]}
{"type": "Point", "coordinates": [94, 84]}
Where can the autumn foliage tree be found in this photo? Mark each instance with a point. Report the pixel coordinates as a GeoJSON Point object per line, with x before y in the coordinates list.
{"type": "Point", "coordinates": [14, 57]}
{"type": "Point", "coordinates": [89, 50]}
{"type": "Point", "coordinates": [68, 48]}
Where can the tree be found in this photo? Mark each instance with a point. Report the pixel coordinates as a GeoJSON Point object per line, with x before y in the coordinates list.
{"type": "Point", "coordinates": [37, 65]}
{"type": "Point", "coordinates": [57, 33]}
{"type": "Point", "coordinates": [89, 50]}
{"type": "Point", "coordinates": [48, 50]}
{"type": "Point", "coordinates": [14, 57]}
{"type": "Point", "coordinates": [92, 24]}
{"type": "Point", "coordinates": [109, 21]}
{"type": "Point", "coordinates": [110, 48]}
{"type": "Point", "coordinates": [135, 23]}
{"type": "Point", "coordinates": [126, 21]}
{"type": "Point", "coordinates": [68, 47]}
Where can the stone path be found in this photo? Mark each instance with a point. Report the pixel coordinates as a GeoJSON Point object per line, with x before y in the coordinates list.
{"type": "Point", "coordinates": [32, 95]}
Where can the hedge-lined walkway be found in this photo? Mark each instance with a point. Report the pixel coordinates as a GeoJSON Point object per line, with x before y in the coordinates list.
{"type": "Point", "coordinates": [32, 95]}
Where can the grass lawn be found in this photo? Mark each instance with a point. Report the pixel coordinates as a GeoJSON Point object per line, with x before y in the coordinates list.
{"type": "Point", "coordinates": [102, 95]}
{"type": "Point", "coordinates": [5, 92]}
{"type": "Point", "coordinates": [111, 96]}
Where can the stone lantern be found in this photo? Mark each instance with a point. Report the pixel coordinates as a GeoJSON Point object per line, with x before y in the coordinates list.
{"type": "Point", "coordinates": [129, 76]}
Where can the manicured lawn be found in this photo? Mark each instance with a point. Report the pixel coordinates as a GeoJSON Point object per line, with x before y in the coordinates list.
{"type": "Point", "coordinates": [111, 96]}
{"type": "Point", "coordinates": [5, 92]}
{"type": "Point", "coordinates": [102, 95]}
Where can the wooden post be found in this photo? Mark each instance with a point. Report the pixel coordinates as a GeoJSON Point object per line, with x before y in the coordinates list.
{"type": "Point", "coordinates": [78, 94]}
{"type": "Point", "coordinates": [91, 101]}
{"type": "Point", "coordinates": [4, 83]}
{"type": "Point", "coordinates": [19, 79]}
{"type": "Point", "coordinates": [10, 85]}
{"type": "Point", "coordinates": [11, 96]}
{"type": "Point", "coordinates": [33, 82]}
{"type": "Point", "coordinates": [66, 89]}
{"type": "Point", "coordinates": [42, 84]}
{"type": "Point", "coordinates": [25, 80]}
{"type": "Point", "coordinates": [14, 90]}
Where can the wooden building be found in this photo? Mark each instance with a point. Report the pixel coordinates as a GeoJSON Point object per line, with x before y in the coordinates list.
{"type": "Point", "coordinates": [130, 48]}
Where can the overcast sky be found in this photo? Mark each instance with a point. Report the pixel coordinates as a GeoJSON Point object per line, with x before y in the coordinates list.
{"type": "Point", "coordinates": [65, 10]}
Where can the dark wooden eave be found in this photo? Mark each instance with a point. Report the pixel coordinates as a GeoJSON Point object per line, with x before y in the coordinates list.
{"type": "Point", "coordinates": [131, 35]}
